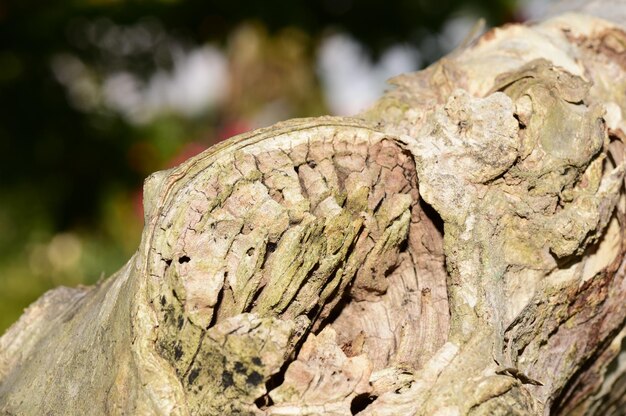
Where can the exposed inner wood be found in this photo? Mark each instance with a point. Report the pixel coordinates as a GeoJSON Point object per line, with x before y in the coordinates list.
{"type": "Point", "coordinates": [329, 228]}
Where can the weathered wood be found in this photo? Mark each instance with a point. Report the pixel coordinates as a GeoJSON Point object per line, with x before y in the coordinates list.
{"type": "Point", "coordinates": [456, 249]}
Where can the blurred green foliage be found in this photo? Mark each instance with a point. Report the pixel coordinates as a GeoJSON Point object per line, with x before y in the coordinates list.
{"type": "Point", "coordinates": [71, 171]}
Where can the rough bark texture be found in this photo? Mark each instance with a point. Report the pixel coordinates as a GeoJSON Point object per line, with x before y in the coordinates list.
{"type": "Point", "coordinates": [457, 249]}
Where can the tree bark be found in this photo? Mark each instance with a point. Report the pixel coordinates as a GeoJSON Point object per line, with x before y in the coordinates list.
{"type": "Point", "coordinates": [456, 249]}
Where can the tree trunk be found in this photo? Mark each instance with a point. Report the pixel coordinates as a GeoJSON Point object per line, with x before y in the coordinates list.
{"type": "Point", "coordinates": [457, 249]}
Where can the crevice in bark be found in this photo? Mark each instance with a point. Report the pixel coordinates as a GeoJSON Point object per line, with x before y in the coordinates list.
{"type": "Point", "coordinates": [360, 402]}
{"type": "Point", "coordinates": [434, 217]}
{"type": "Point", "coordinates": [566, 262]}
{"type": "Point", "coordinates": [255, 298]}
{"type": "Point", "coordinates": [278, 378]}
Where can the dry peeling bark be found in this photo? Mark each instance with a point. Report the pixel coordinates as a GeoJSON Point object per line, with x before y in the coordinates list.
{"type": "Point", "coordinates": [457, 249]}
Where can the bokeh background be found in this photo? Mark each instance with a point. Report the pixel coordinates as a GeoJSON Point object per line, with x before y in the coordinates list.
{"type": "Point", "coordinates": [97, 94]}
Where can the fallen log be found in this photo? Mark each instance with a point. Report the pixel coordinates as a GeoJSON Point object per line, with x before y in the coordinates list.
{"type": "Point", "coordinates": [456, 249]}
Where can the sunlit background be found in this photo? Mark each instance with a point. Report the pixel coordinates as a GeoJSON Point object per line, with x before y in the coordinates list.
{"type": "Point", "coordinates": [97, 94]}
